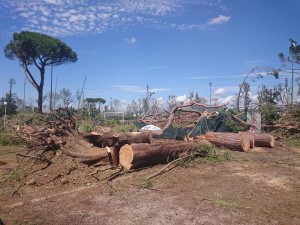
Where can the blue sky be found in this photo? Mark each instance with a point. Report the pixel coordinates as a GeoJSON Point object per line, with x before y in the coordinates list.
{"type": "Point", "coordinates": [174, 46]}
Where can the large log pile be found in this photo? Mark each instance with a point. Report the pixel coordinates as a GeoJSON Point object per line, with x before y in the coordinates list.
{"type": "Point", "coordinates": [131, 149]}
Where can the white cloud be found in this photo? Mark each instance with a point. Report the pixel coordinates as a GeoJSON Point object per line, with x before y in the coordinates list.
{"type": "Point", "coordinates": [76, 17]}
{"type": "Point", "coordinates": [210, 77]}
{"type": "Point", "coordinates": [220, 91]}
{"type": "Point", "coordinates": [130, 88]}
{"type": "Point", "coordinates": [54, 2]}
{"type": "Point", "coordinates": [230, 100]}
{"type": "Point", "coordinates": [219, 20]}
{"type": "Point", "coordinates": [138, 89]}
{"type": "Point", "coordinates": [156, 67]}
{"type": "Point", "coordinates": [253, 62]}
{"type": "Point", "coordinates": [254, 98]}
{"type": "Point", "coordinates": [131, 40]}
{"type": "Point", "coordinates": [181, 98]}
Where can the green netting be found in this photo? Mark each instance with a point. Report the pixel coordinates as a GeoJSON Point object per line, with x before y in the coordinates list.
{"type": "Point", "coordinates": [215, 124]}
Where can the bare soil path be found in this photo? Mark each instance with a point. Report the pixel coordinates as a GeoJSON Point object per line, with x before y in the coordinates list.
{"type": "Point", "coordinates": [258, 187]}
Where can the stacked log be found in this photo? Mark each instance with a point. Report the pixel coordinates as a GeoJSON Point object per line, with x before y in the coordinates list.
{"type": "Point", "coordinates": [139, 155]}
{"type": "Point", "coordinates": [233, 141]}
{"type": "Point", "coordinates": [120, 139]}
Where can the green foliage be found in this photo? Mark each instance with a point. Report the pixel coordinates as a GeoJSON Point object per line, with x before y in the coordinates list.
{"type": "Point", "coordinates": [100, 117]}
{"type": "Point", "coordinates": [234, 127]}
{"type": "Point", "coordinates": [186, 162]}
{"type": "Point", "coordinates": [207, 153]}
{"type": "Point", "coordinates": [11, 104]}
{"type": "Point", "coordinates": [146, 184]}
{"type": "Point", "coordinates": [96, 100]}
{"type": "Point", "coordinates": [29, 118]}
{"type": "Point", "coordinates": [213, 154]}
{"type": "Point", "coordinates": [111, 123]}
{"type": "Point", "coordinates": [269, 113]}
{"type": "Point", "coordinates": [31, 48]}
{"type": "Point", "coordinates": [8, 138]}
{"type": "Point", "coordinates": [296, 113]}
{"type": "Point", "coordinates": [83, 113]}
{"type": "Point", "coordinates": [28, 47]}
{"type": "Point", "coordinates": [230, 124]}
{"type": "Point", "coordinates": [293, 141]}
{"type": "Point", "coordinates": [126, 128]}
{"type": "Point", "coordinates": [268, 95]}
{"type": "Point", "coordinates": [86, 126]}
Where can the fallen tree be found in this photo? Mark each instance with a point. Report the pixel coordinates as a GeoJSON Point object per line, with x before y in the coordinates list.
{"type": "Point", "coordinates": [144, 154]}
{"type": "Point", "coordinates": [184, 115]}
{"type": "Point", "coordinates": [233, 141]}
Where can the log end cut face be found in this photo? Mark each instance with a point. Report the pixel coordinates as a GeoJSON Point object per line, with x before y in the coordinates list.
{"type": "Point", "coordinates": [126, 156]}
{"type": "Point", "coordinates": [245, 144]}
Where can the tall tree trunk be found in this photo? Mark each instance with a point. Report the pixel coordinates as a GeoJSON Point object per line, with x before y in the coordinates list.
{"type": "Point", "coordinates": [40, 99]}
{"type": "Point", "coordinates": [40, 90]}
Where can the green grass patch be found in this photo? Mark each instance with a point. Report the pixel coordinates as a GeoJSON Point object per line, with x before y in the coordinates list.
{"type": "Point", "coordinates": [146, 184]}
{"type": "Point", "coordinates": [35, 222]}
{"type": "Point", "coordinates": [8, 137]}
{"type": "Point", "coordinates": [210, 153]}
{"type": "Point", "coordinates": [293, 143]}
{"type": "Point", "coordinates": [223, 201]}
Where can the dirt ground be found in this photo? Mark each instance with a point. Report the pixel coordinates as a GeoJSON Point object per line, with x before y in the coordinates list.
{"type": "Point", "coordinates": [258, 187]}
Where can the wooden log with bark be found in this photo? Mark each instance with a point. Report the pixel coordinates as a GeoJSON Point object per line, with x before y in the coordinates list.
{"type": "Point", "coordinates": [139, 155]}
{"type": "Point", "coordinates": [250, 136]}
{"type": "Point", "coordinates": [120, 139]}
{"type": "Point", "coordinates": [232, 141]}
{"type": "Point", "coordinates": [264, 140]}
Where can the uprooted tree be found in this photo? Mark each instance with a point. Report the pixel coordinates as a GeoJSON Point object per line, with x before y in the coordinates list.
{"type": "Point", "coordinates": [40, 50]}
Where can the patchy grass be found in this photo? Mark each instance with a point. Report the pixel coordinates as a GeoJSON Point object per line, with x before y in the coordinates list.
{"type": "Point", "coordinates": [293, 143]}
{"type": "Point", "coordinates": [83, 214]}
{"type": "Point", "coordinates": [8, 137]}
{"type": "Point", "coordinates": [146, 184]}
{"type": "Point", "coordinates": [20, 222]}
{"type": "Point", "coordinates": [211, 153]}
{"type": "Point", "coordinates": [16, 175]}
{"type": "Point", "coordinates": [223, 201]}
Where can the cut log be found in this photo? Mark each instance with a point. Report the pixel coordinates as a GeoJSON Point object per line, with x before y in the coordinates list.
{"type": "Point", "coordinates": [232, 141]}
{"type": "Point", "coordinates": [264, 140]}
{"type": "Point", "coordinates": [120, 139]}
{"type": "Point", "coordinates": [139, 155]}
{"type": "Point", "coordinates": [113, 153]}
{"type": "Point", "coordinates": [96, 153]}
{"type": "Point", "coordinates": [133, 137]}
{"type": "Point", "coordinates": [250, 136]}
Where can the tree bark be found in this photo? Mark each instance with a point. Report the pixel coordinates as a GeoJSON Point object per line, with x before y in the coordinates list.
{"type": "Point", "coordinates": [40, 99]}
{"type": "Point", "coordinates": [250, 136]}
{"type": "Point", "coordinates": [120, 139]}
{"type": "Point", "coordinates": [232, 141]}
{"type": "Point", "coordinates": [264, 140]}
{"type": "Point", "coordinates": [139, 155]}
